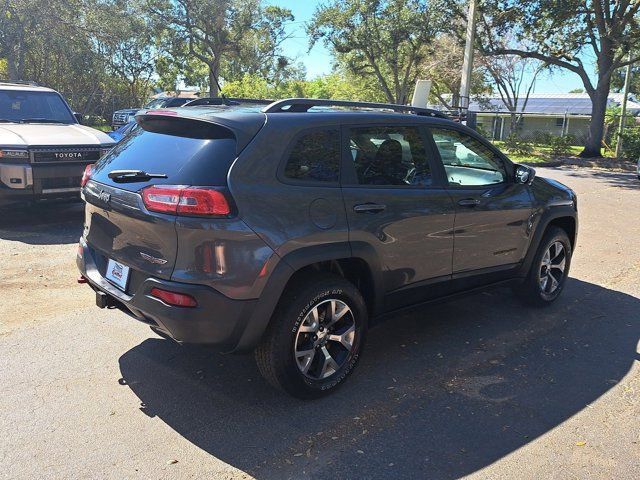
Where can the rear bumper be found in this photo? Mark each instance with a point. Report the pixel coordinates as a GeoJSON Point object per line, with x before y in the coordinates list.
{"type": "Point", "coordinates": [217, 320]}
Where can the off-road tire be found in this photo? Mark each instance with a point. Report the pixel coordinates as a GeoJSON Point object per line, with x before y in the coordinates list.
{"type": "Point", "coordinates": [276, 354]}
{"type": "Point", "coordinates": [530, 291]}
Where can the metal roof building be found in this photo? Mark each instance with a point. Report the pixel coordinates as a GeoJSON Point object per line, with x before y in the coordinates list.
{"type": "Point", "coordinates": [552, 104]}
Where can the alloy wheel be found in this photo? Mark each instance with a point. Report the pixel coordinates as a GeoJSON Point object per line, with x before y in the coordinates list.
{"type": "Point", "coordinates": [552, 268]}
{"type": "Point", "coordinates": [325, 339]}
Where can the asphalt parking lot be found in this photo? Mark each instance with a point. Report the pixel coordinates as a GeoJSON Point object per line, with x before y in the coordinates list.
{"type": "Point", "coordinates": [480, 387]}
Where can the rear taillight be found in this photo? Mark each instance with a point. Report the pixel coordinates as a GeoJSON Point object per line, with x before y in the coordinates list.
{"type": "Point", "coordinates": [190, 201]}
{"type": "Point", "coordinates": [173, 298]}
{"type": "Point", "coordinates": [86, 175]}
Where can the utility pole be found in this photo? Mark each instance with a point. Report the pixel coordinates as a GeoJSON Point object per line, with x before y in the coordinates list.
{"type": "Point", "coordinates": [467, 65]}
{"type": "Point", "coordinates": [625, 97]}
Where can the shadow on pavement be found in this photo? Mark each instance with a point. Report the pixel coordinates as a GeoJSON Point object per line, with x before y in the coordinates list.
{"type": "Point", "coordinates": [613, 179]}
{"type": "Point", "coordinates": [440, 393]}
{"type": "Point", "coordinates": [45, 223]}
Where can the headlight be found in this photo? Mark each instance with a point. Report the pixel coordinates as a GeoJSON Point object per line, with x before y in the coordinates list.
{"type": "Point", "coordinates": [7, 154]}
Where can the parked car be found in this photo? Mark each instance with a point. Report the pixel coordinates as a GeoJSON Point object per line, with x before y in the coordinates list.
{"type": "Point", "coordinates": [290, 230]}
{"type": "Point", "coordinates": [43, 148]}
{"type": "Point", "coordinates": [123, 131]}
{"type": "Point", "coordinates": [124, 116]}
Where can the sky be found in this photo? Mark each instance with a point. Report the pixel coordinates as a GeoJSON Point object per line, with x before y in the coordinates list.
{"type": "Point", "coordinates": [318, 61]}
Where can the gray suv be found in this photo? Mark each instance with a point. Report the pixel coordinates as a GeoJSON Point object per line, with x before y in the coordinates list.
{"type": "Point", "coordinates": [289, 229]}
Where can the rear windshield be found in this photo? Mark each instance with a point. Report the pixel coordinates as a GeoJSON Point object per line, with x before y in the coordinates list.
{"type": "Point", "coordinates": [187, 152]}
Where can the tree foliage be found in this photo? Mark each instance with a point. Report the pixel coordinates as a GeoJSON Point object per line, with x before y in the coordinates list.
{"type": "Point", "coordinates": [384, 40]}
{"type": "Point", "coordinates": [568, 35]}
{"type": "Point", "coordinates": [228, 36]}
{"type": "Point", "coordinates": [442, 65]}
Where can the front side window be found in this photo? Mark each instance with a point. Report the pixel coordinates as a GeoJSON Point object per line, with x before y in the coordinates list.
{"type": "Point", "coordinates": [315, 157]}
{"type": "Point", "coordinates": [468, 161]}
{"type": "Point", "coordinates": [389, 156]}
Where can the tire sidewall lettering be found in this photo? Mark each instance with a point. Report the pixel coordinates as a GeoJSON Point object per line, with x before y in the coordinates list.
{"type": "Point", "coordinates": [312, 303]}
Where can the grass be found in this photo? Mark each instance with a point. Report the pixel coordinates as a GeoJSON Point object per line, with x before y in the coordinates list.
{"type": "Point", "coordinates": [540, 153]}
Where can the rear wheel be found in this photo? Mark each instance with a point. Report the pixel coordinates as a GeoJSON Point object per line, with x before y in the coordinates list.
{"type": "Point", "coordinates": [549, 270]}
{"type": "Point", "coordinates": [315, 337]}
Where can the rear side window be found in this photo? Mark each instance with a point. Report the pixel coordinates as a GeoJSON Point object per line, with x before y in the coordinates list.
{"type": "Point", "coordinates": [187, 152]}
{"type": "Point", "coordinates": [315, 157]}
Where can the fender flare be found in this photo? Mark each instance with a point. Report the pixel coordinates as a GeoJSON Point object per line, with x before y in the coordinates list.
{"type": "Point", "coordinates": [546, 217]}
{"type": "Point", "coordinates": [293, 262]}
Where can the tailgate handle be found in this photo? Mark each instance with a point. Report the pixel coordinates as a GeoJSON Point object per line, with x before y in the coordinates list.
{"type": "Point", "coordinates": [369, 208]}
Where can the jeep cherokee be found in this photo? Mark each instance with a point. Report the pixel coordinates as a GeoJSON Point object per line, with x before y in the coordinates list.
{"type": "Point", "coordinates": [288, 229]}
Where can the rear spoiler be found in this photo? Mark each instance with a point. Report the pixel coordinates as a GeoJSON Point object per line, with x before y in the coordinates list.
{"type": "Point", "coordinates": [242, 126]}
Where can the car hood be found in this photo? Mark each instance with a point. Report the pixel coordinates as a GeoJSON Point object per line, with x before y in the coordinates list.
{"type": "Point", "coordinates": [130, 111]}
{"type": "Point", "coordinates": [43, 134]}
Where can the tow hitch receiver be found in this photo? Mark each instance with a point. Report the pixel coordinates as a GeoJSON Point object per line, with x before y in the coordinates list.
{"type": "Point", "coordinates": [102, 300]}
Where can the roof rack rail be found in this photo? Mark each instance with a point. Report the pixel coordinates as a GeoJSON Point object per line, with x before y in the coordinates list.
{"type": "Point", "coordinates": [21, 82]}
{"type": "Point", "coordinates": [212, 101]}
{"type": "Point", "coordinates": [304, 104]}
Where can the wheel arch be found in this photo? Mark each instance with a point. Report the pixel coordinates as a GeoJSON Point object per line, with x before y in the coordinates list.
{"type": "Point", "coordinates": [564, 217]}
{"type": "Point", "coordinates": [355, 261]}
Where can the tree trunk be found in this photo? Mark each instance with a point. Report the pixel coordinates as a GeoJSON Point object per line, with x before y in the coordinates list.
{"type": "Point", "coordinates": [214, 70]}
{"type": "Point", "coordinates": [514, 124]}
{"type": "Point", "coordinates": [599, 100]}
{"type": "Point", "coordinates": [213, 86]}
{"type": "Point", "coordinates": [13, 69]}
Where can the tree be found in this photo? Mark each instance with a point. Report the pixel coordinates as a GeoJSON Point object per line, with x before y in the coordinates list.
{"type": "Point", "coordinates": [566, 35]}
{"type": "Point", "coordinates": [125, 38]}
{"type": "Point", "coordinates": [215, 31]}
{"type": "Point", "coordinates": [386, 40]}
{"type": "Point", "coordinates": [442, 65]}
{"type": "Point", "coordinates": [514, 79]}
{"type": "Point", "coordinates": [18, 19]}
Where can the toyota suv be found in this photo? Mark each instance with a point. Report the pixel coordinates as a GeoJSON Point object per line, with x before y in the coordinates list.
{"type": "Point", "coordinates": [290, 229]}
{"type": "Point", "coordinates": [43, 148]}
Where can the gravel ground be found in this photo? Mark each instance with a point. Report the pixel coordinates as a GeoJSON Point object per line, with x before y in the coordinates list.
{"type": "Point", "coordinates": [479, 387]}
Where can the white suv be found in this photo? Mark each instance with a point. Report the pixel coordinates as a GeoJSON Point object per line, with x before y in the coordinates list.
{"type": "Point", "coordinates": [43, 148]}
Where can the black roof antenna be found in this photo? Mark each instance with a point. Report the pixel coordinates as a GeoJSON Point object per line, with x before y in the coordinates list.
{"type": "Point", "coordinates": [222, 95]}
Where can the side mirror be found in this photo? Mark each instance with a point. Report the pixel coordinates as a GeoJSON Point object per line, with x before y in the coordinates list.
{"type": "Point", "coordinates": [524, 174]}
{"type": "Point", "coordinates": [78, 116]}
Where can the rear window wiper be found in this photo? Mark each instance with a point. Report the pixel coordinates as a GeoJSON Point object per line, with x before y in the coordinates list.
{"type": "Point", "coordinates": [6, 120]}
{"type": "Point", "coordinates": [133, 175]}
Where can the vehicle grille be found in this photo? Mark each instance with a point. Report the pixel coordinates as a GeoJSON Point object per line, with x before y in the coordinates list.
{"type": "Point", "coordinates": [65, 154]}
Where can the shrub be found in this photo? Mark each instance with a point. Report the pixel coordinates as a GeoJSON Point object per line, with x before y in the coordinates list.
{"type": "Point", "coordinates": [518, 146]}
{"type": "Point", "coordinates": [560, 146]}
{"type": "Point", "coordinates": [482, 130]}
{"type": "Point", "coordinates": [631, 143]}
{"type": "Point", "coordinates": [541, 138]}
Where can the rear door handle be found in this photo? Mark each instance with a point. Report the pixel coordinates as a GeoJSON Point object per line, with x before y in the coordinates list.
{"type": "Point", "coordinates": [469, 202]}
{"type": "Point", "coordinates": [369, 208]}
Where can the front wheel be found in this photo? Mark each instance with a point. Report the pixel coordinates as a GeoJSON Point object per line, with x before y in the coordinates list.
{"type": "Point", "coordinates": [315, 337]}
{"type": "Point", "coordinates": [549, 270]}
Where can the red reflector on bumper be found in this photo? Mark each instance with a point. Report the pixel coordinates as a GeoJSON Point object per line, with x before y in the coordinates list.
{"type": "Point", "coordinates": [175, 299]}
{"type": "Point", "coordinates": [81, 279]}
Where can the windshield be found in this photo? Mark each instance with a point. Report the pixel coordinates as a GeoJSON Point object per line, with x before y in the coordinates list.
{"type": "Point", "coordinates": [22, 106]}
{"type": "Point", "coordinates": [155, 103]}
